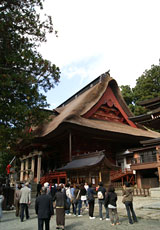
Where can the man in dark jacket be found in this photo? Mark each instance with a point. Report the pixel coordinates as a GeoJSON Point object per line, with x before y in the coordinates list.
{"type": "Point", "coordinates": [44, 209]}
{"type": "Point", "coordinates": [39, 186]}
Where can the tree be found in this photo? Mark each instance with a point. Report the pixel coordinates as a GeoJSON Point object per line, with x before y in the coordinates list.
{"type": "Point", "coordinates": [147, 87]}
{"type": "Point", "coordinates": [127, 95]}
{"type": "Point", "coordinates": [23, 71]}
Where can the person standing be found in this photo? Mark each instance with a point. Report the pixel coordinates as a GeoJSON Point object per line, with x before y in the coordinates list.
{"type": "Point", "coordinates": [46, 185]}
{"type": "Point", "coordinates": [44, 209]}
{"type": "Point", "coordinates": [72, 187]}
{"type": "Point", "coordinates": [69, 197]}
{"type": "Point", "coordinates": [101, 197]}
{"type": "Point", "coordinates": [1, 201]}
{"type": "Point", "coordinates": [110, 203]}
{"type": "Point", "coordinates": [60, 199]}
{"type": "Point", "coordinates": [17, 196]}
{"type": "Point", "coordinates": [83, 194]}
{"type": "Point", "coordinates": [39, 186]}
{"type": "Point", "coordinates": [128, 201]}
{"type": "Point", "coordinates": [25, 200]}
{"type": "Point", "coordinates": [53, 190]}
{"type": "Point", "coordinates": [91, 200]}
{"type": "Point", "coordinates": [77, 201]}
{"type": "Point", "coordinates": [86, 187]}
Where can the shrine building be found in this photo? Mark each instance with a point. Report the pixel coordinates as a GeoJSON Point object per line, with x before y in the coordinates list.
{"type": "Point", "coordinates": [83, 137]}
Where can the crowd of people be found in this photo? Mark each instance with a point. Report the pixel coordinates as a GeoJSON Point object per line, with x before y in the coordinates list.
{"type": "Point", "coordinates": [68, 200]}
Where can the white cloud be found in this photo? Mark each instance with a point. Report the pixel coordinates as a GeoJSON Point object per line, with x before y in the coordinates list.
{"type": "Point", "coordinates": [123, 35]}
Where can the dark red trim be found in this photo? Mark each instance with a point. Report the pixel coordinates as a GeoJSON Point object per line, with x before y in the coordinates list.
{"type": "Point", "coordinates": [109, 99]}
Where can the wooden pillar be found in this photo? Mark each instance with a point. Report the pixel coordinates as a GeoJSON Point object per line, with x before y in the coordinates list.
{"type": "Point", "coordinates": [77, 179]}
{"type": "Point", "coordinates": [26, 170]}
{"type": "Point", "coordinates": [33, 166]}
{"type": "Point", "coordinates": [138, 178]}
{"type": "Point", "coordinates": [100, 176]}
{"type": "Point", "coordinates": [39, 167]}
{"type": "Point", "coordinates": [122, 181]}
{"type": "Point", "coordinates": [70, 146]}
{"type": "Point", "coordinates": [90, 178]}
{"type": "Point", "coordinates": [22, 171]}
{"type": "Point", "coordinates": [158, 160]}
{"type": "Point", "coordinates": [159, 175]}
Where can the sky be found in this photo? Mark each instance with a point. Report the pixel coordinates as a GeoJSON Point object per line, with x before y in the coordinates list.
{"type": "Point", "coordinates": [95, 36]}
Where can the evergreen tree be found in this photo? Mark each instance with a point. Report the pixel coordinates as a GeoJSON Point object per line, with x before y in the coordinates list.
{"type": "Point", "coordinates": [24, 74]}
{"type": "Point", "coordinates": [147, 87]}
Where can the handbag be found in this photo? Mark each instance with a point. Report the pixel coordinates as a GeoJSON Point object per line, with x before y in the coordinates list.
{"type": "Point", "coordinates": [75, 201]}
{"type": "Point", "coordinates": [84, 197]}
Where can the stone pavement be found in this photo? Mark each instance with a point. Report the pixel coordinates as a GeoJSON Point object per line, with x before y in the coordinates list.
{"type": "Point", "coordinates": [147, 211]}
{"type": "Point", "coordinates": [145, 207]}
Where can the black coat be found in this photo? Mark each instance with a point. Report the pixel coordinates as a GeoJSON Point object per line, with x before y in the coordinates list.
{"type": "Point", "coordinates": [90, 194]}
{"type": "Point", "coordinates": [83, 192]}
{"type": "Point", "coordinates": [111, 198]}
{"type": "Point", "coordinates": [44, 206]}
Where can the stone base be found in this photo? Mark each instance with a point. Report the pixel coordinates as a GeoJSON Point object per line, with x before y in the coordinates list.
{"type": "Point", "coordinates": [155, 192]}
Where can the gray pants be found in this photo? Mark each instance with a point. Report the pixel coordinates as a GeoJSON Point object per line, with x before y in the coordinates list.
{"type": "Point", "coordinates": [113, 215]}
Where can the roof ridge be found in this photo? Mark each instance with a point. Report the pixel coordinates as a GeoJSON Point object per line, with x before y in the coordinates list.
{"type": "Point", "coordinates": [85, 88]}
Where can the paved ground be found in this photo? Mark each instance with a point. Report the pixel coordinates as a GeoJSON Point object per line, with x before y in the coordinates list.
{"type": "Point", "coordinates": [147, 211]}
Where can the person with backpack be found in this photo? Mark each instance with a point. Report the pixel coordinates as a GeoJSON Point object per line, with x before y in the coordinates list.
{"type": "Point", "coordinates": [110, 203]}
{"type": "Point", "coordinates": [101, 198]}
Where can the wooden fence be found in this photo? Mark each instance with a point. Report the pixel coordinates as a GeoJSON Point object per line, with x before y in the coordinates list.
{"type": "Point", "coordinates": [136, 191]}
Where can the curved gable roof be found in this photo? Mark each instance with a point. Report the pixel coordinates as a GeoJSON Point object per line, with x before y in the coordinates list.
{"type": "Point", "coordinates": [76, 108]}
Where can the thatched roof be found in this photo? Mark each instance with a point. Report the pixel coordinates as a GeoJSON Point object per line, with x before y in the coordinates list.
{"type": "Point", "coordinates": [74, 111]}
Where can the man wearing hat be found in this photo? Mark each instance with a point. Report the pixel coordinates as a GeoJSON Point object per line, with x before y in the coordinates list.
{"type": "Point", "coordinates": [25, 200]}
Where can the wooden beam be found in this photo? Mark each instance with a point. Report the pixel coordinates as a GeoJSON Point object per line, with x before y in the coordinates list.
{"type": "Point", "coordinates": [70, 146]}
{"type": "Point", "coordinates": [35, 153]}
{"type": "Point", "coordinates": [145, 166]}
{"type": "Point", "coordinates": [100, 176]}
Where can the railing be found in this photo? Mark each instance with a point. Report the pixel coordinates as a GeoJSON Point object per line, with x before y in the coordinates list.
{"type": "Point", "coordinates": [117, 185]}
{"type": "Point", "coordinates": [141, 192]}
{"type": "Point", "coordinates": [52, 175]}
{"type": "Point", "coordinates": [144, 159]}
{"type": "Point", "coordinates": [119, 173]}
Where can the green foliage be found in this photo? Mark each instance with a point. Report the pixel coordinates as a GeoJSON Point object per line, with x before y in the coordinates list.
{"type": "Point", "coordinates": [127, 94]}
{"type": "Point", "coordinates": [147, 87]}
{"type": "Point", "coordinates": [23, 71]}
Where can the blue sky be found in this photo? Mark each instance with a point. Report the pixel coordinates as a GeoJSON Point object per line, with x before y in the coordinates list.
{"type": "Point", "coordinates": [97, 35]}
{"type": "Point", "coordinates": [73, 78]}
